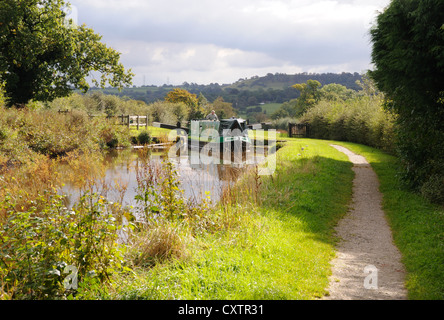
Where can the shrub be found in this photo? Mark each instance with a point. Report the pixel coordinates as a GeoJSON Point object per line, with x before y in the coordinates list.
{"type": "Point", "coordinates": [168, 112]}
{"type": "Point", "coordinates": [361, 120]}
{"type": "Point", "coordinates": [433, 189]}
{"type": "Point", "coordinates": [144, 137]}
{"type": "Point", "coordinates": [2, 97]}
{"type": "Point", "coordinates": [112, 136]}
{"type": "Point", "coordinates": [47, 132]}
{"type": "Point", "coordinates": [38, 244]}
{"type": "Point", "coordinates": [407, 53]}
{"type": "Point", "coordinates": [282, 123]}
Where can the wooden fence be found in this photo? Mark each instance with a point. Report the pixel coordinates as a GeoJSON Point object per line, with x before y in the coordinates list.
{"type": "Point", "coordinates": [137, 120]}
{"type": "Point", "coordinates": [123, 119]}
{"type": "Point", "coordinates": [300, 130]}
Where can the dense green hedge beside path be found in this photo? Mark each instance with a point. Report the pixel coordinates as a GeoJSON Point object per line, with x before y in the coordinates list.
{"type": "Point", "coordinates": [417, 225]}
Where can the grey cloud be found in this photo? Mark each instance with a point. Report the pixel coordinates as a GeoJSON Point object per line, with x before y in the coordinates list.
{"type": "Point", "coordinates": [265, 33]}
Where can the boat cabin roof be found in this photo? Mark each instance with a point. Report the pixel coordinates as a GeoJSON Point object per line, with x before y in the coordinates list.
{"type": "Point", "coordinates": [223, 124]}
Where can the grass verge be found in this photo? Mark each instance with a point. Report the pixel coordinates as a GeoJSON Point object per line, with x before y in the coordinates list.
{"type": "Point", "coordinates": [272, 236]}
{"type": "Point", "coordinates": [417, 225]}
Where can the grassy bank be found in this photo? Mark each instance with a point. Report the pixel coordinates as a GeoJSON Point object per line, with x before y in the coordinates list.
{"type": "Point", "coordinates": [417, 225]}
{"type": "Point", "coordinates": [271, 237]}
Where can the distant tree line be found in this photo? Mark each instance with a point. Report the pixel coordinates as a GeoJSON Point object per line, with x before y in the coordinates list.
{"type": "Point", "coordinates": [272, 88]}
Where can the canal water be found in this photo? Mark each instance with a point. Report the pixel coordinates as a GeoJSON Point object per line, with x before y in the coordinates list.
{"type": "Point", "coordinates": [117, 181]}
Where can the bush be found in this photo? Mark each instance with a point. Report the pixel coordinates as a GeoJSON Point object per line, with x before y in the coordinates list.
{"type": "Point", "coordinates": [161, 242]}
{"type": "Point", "coordinates": [168, 112]}
{"type": "Point", "coordinates": [39, 244]}
{"type": "Point", "coordinates": [47, 132]}
{"type": "Point", "coordinates": [433, 189]}
{"type": "Point", "coordinates": [361, 120]}
{"type": "Point", "coordinates": [282, 123]}
{"type": "Point", "coordinates": [144, 137]}
{"type": "Point", "coordinates": [407, 53]}
{"type": "Point", "coordinates": [112, 136]}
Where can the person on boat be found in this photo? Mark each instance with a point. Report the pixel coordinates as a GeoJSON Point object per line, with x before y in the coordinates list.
{"type": "Point", "coordinates": [212, 116]}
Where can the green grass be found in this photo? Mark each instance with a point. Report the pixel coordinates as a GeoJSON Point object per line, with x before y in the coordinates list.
{"type": "Point", "coordinates": [273, 237]}
{"type": "Point", "coordinates": [271, 107]}
{"type": "Point", "coordinates": [277, 248]}
{"type": "Point", "coordinates": [418, 227]}
{"type": "Point", "coordinates": [268, 107]}
{"type": "Point", "coordinates": [154, 131]}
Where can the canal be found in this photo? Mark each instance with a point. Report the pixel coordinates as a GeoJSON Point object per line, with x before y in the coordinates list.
{"type": "Point", "coordinates": [117, 175]}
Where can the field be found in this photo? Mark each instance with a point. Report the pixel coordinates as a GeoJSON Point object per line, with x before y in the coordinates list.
{"type": "Point", "coordinates": [268, 108]}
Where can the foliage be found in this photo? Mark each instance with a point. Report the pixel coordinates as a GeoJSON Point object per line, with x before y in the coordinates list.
{"type": "Point", "coordinates": [224, 110]}
{"type": "Point", "coordinates": [159, 192]}
{"type": "Point", "coordinates": [309, 92]}
{"type": "Point", "coordinates": [309, 95]}
{"type": "Point", "coordinates": [168, 112]}
{"type": "Point", "coordinates": [110, 135]}
{"type": "Point", "coordinates": [356, 116]}
{"type": "Point", "coordinates": [43, 56]}
{"type": "Point", "coordinates": [37, 245]}
{"type": "Point", "coordinates": [408, 53]}
{"type": "Point", "coordinates": [245, 92]}
{"type": "Point", "coordinates": [335, 91]}
{"type": "Point", "coordinates": [97, 103]}
{"type": "Point", "coordinates": [144, 137]}
{"type": "Point", "coordinates": [30, 133]}
{"type": "Point", "coordinates": [361, 120]}
{"type": "Point", "coordinates": [2, 97]}
{"type": "Point", "coordinates": [282, 123]}
{"type": "Point", "coordinates": [287, 110]}
{"type": "Point", "coordinates": [181, 95]}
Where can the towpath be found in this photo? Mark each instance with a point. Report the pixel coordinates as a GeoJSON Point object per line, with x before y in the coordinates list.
{"type": "Point", "coordinates": [368, 264]}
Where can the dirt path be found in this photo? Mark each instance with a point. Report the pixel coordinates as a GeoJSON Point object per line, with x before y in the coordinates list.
{"type": "Point", "coordinates": [368, 265]}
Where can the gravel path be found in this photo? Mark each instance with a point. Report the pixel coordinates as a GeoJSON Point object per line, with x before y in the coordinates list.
{"type": "Point", "coordinates": [368, 265]}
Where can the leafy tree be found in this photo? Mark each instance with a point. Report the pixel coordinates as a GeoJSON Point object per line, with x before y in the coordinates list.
{"type": "Point", "coordinates": [287, 109]}
{"type": "Point", "coordinates": [408, 54]}
{"type": "Point", "coordinates": [181, 95]}
{"type": "Point", "coordinates": [223, 109]}
{"type": "Point", "coordinates": [43, 56]}
{"type": "Point", "coordinates": [309, 92]}
{"type": "Point", "coordinates": [280, 113]}
{"type": "Point", "coordinates": [310, 95]}
{"type": "Point", "coordinates": [335, 92]}
{"type": "Point", "coordinates": [204, 103]}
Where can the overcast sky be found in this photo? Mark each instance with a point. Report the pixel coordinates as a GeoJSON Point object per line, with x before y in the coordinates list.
{"type": "Point", "coordinates": [209, 41]}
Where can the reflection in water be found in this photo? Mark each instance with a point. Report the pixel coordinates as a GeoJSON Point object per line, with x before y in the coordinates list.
{"type": "Point", "coordinates": [118, 182]}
